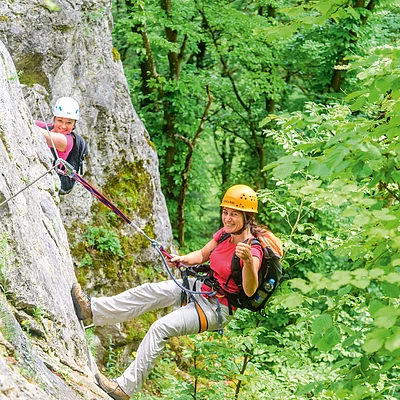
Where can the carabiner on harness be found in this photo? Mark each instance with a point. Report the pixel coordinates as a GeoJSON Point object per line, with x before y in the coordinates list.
{"type": "Point", "coordinates": [64, 168]}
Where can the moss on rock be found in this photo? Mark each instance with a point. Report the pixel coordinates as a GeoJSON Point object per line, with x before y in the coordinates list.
{"type": "Point", "coordinates": [32, 71]}
{"type": "Point", "coordinates": [130, 188]}
{"type": "Point", "coordinates": [115, 54]}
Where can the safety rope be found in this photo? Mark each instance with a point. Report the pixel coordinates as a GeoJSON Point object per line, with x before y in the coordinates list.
{"type": "Point", "coordinates": [26, 187]}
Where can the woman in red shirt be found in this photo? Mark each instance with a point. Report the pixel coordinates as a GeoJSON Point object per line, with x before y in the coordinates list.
{"type": "Point", "coordinates": [239, 206]}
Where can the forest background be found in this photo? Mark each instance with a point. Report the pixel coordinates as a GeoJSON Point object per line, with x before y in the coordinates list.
{"type": "Point", "coordinates": [299, 100]}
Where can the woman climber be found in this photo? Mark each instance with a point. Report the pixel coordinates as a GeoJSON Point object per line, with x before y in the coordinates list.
{"type": "Point", "coordinates": [208, 308]}
{"type": "Point", "coordinates": [63, 141]}
{"type": "Point", "coordinates": [66, 113]}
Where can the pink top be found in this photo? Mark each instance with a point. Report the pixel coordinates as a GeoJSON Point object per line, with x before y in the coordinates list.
{"type": "Point", "coordinates": [220, 263]}
{"type": "Point", "coordinates": [70, 140]}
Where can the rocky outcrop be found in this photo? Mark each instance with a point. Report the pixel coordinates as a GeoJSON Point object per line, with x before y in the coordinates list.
{"type": "Point", "coordinates": [50, 49]}
{"type": "Point", "coordinates": [41, 341]}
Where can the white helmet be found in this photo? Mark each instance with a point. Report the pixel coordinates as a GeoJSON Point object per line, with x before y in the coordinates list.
{"type": "Point", "coordinates": [66, 107]}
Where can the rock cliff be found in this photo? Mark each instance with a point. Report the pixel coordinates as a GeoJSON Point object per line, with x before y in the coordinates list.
{"type": "Point", "coordinates": [50, 49]}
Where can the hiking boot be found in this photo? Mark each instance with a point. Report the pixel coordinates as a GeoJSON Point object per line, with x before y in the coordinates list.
{"type": "Point", "coordinates": [82, 303]}
{"type": "Point", "coordinates": [111, 387]}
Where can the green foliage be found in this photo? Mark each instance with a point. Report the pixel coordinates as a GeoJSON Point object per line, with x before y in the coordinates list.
{"type": "Point", "coordinates": [112, 359]}
{"type": "Point", "coordinates": [349, 162]}
{"type": "Point", "coordinates": [90, 340]}
{"type": "Point", "coordinates": [103, 240]}
{"type": "Point", "coordinates": [306, 105]}
{"type": "Point", "coordinates": [255, 58]}
{"type": "Point", "coordinates": [38, 313]}
{"type": "Point", "coordinates": [51, 5]}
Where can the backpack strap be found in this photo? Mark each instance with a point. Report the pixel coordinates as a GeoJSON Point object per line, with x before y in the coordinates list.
{"type": "Point", "coordinates": [223, 237]}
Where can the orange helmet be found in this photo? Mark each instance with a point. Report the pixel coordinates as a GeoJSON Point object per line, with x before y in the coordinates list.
{"type": "Point", "coordinates": [240, 197]}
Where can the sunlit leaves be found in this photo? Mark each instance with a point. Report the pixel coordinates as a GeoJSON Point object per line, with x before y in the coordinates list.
{"type": "Point", "coordinates": [375, 340]}
{"type": "Point", "coordinates": [292, 300]}
{"type": "Point", "coordinates": [359, 278]}
{"type": "Point", "coordinates": [393, 342]}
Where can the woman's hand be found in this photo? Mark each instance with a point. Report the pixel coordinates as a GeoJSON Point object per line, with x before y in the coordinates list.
{"type": "Point", "coordinates": [173, 260]}
{"type": "Point", "coordinates": [193, 258]}
{"type": "Point", "coordinates": [243, 251]}
{"type": "Point", "coordinates": [250, 268]}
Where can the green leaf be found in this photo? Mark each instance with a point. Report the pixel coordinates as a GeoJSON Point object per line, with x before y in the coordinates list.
{"type": "Point", "coordinates": [318, 169]}
{"type": "Point", "coordinates": [389, 365]}
{"type": "Point", "coordinates": [340, 364]}
{"type": "Point", "coordinates": [311, 188]}
{"type": "Point", "coordinates": [384, 215]}
{"type": "Point", "coordinates": [301, 284]}
{"type": "Point", "coordinates": [383, 84]}
{"type": "Point", "coordinates": [357, 105]}
{"type": "Point", "coordinates": [361, 220]}
{"type": "Point", "coordinates": [375, 306]}
{"type": "Point", "coordinates": [392, 277]}
{"type": "Point", "coordinates": [390, 290]}
{"type": "Point", "coordinates": [360, 282]}
{"type": "Point", "coordinates": [305, 389]}
{"type": "Point", "coordinates": [321, 323]}
{"type": "Point", "coordinates": [266, 120]}
{"type": "Point", "coordinates": [352, 95]}
{"type": "Point", "coordinates": [353, 12]}
{"type": "Point", "coordinates": [344, 290]}
{"type": "Point", "coordinates": [342, 277]}
{"type": "Point", "coordinates": [375, 340]}
{"type": "Point", "coordinates": [386, 317]}
{"type": "Point", "coordinates": [329, 340]}
{"type": "Point", "coordinates": [284, 170]}
{"type": "Point", "coordinates": [350, 340]}
{"type": "Point", "coordinates": [323, 7]}
{"type": "Point", "coordinates": [393, 342]}
{"type": "Point", "coordinates": [292, 11]}
{"type": "Point", "coordinates": [292, 301]}
{"type": "Point", "coordinates": [336, 156]}
{"type": "Point", "coordinates": [375, 273]}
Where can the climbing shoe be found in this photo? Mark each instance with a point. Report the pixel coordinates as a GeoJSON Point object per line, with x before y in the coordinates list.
{"type": "Point", "coordinates": [82, 303]}
{"type": "Point", "coordinates": [111, 387]}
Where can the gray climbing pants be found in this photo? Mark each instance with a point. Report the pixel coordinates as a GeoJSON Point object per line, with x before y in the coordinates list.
{"type": "Point", "coordinates": [152, 296]}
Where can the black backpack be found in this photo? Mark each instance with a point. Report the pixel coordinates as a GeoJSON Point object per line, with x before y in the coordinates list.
{"type": "Point", "coordinates": [76, 158]}
{"type": "Point", "coordinates": [270, 274]}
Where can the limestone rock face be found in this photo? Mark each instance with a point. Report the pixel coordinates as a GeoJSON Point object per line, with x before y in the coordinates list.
{"type": "Point", "coordinates": [41, 338]}
{"type": "Point", "coordinates": [50, 49]}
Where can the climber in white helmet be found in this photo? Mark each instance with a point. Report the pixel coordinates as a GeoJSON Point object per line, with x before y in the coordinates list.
{"type": "Point", "coordinates": [66, 113]}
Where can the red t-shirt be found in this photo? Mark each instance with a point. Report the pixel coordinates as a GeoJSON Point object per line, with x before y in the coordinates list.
{"type": "Point", "coordinates": [220, 263]}
{"type": "Point", "coordinates": [70, 140]}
